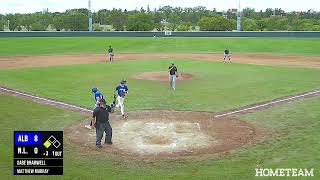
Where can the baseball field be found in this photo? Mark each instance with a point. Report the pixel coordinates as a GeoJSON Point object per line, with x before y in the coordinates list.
{"type": "Point", "coordinates": [224, 120]}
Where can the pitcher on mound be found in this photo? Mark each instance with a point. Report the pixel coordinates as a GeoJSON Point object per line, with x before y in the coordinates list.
{"type": "Point", "coordinates": [173, 74]}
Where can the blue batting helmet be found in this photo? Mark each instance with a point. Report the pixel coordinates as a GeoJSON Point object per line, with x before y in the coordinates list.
{"type": "Point", "coordinates": [94, 90]}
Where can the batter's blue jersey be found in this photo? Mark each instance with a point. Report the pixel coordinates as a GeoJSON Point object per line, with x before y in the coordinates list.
{"type": "Point", "coordinates": [121, 90]}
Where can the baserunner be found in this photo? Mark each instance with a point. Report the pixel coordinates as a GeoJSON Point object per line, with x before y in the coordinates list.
{"type": "Point", "coordinates": [121, 91]}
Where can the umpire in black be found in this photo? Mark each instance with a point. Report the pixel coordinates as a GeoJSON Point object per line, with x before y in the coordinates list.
{"type": "Point", "coordinates": [101, 117]}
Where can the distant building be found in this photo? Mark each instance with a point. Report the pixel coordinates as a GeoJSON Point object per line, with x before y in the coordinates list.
{"type": "Point", "coordinates": [233, 11]}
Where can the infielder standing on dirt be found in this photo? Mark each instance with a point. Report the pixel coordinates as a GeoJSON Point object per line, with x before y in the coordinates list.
{"type": "Point", "coordinates": [110, 53]}
{"type": "Point", "coordinates": [121, 90]}
{"type": "Point", "coordinates": [226, 54]}
{"type": "Point", "coordinates": [97, 96]}
{"type": "Point", "coordinates": [173, 74]}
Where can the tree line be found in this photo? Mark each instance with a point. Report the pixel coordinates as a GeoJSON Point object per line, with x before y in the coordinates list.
{"type": "Point", "coordinates": [165, 18]}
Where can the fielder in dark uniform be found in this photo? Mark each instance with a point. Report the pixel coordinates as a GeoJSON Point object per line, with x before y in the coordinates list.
{"type": "Point", "coordinates": [101, 119]}
{"type": "Point", "coordinates": [110, 52]}
{"type": "Point", "coordinates": [173, 74]}
{"type": "Point", "coordinates": [227, 54]}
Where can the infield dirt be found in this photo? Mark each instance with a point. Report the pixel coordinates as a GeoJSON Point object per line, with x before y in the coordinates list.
{"type": "Point", "coordinates": [70, 59]}
{"type": "Point", "coordinates": [161, 134]}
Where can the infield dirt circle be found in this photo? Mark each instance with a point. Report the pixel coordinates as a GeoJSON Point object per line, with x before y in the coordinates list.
{"type": "Point", "coordinates": [166, 134]}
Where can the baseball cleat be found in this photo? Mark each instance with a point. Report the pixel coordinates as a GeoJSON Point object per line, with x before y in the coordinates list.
{"type": "Point", "coordinates": [124, 116]}
{"type": "Point", "coordinates": [88, 126]}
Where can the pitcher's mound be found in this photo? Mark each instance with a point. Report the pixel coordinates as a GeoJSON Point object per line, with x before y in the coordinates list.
{"type": "Point", "coordinates": [161, 76]}
{"type": "Point", "coordinates": [165, 134]}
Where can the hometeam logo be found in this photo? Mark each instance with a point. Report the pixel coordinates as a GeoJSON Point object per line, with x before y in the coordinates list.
{"type": "Point", "coordinates": [294, 172]}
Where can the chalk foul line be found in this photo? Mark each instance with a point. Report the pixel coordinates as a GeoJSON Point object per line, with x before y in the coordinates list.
{"type": "Point", "coordinates": [52, 102]}
{"type": "Point", "coordinates": [242, 110]}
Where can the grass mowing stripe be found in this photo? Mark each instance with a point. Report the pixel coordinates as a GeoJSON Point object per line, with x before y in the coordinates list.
{"type": "Point", "coordinates": [215, 86]}
{"type": "Point", "coordinates": [67, 45]}
{"type": "Point", "coordinates": [241, 110]}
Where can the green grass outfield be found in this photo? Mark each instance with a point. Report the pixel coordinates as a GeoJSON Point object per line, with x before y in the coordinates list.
{"type": "Point", "coordinates": [294, 143]}
{"type": "Point", "coordinates": [39, 46]}
{"type": "Point", "coordinates": [216, 86]}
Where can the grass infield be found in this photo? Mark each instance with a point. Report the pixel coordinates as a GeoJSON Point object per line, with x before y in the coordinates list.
{"type": "Point", "coordinates": [215, 86]}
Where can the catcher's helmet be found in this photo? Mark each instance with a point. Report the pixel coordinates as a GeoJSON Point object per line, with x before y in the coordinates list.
{"type": "Point", "coordinates": [94, 90]}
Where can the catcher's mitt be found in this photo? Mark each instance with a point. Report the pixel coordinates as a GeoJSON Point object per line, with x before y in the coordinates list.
{"type": "Point", "coordinates": [113, 105]}
{"type": "Point", "coordinates": [112, 109]}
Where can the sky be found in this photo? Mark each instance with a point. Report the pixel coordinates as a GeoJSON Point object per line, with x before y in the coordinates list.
{"type": "Point", "coordinates": [30, 6]}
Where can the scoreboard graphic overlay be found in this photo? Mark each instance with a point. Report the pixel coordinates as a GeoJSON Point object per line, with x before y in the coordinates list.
{"type": "Point", "coordinates": [38, 153]}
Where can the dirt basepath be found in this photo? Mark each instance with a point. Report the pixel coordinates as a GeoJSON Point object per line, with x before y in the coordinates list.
{"type": "Point", "coordinates": [60, 60]}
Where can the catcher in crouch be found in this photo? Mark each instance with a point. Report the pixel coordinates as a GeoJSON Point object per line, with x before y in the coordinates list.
{"type": "Point", "coordinates": [121, 90]}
